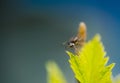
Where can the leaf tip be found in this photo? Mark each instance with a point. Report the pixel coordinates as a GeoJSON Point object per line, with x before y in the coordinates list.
{"type": "Point", "coordinates": [97, 37]}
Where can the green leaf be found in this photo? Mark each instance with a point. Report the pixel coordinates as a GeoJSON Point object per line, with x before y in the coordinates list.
{"type": "Point", "coordinates": [89, 64]}
{"type": "Point", "coordinates": [54, 74]}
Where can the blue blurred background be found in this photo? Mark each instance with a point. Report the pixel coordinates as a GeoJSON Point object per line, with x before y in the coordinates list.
{"type": "Point", "coordinates": [32, 32]}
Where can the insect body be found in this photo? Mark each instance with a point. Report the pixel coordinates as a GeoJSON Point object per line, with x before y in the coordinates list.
{"type": "Point", "coordinates": [78, 41]}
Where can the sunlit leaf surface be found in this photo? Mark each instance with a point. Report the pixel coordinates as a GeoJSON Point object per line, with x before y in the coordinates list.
{"type": "Point", "coordinates": [89, 64]}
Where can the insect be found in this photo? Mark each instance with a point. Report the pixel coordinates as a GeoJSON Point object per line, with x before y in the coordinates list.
{"type": "Point", "coordinates": [78, 41]}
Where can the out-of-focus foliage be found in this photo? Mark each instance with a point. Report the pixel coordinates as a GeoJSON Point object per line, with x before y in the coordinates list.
{"type": "Point", "coordinates": [54, 74]}
{"type": "Point", "coordinates": [116, 79]}
{"type": "Point", "coordinates": [89, 64]}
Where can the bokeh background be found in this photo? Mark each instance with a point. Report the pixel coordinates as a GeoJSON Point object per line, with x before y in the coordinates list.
{"type": "Point", "coordinates": [32, 32]}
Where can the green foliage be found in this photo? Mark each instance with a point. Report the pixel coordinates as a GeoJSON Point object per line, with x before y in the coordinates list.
{"type": "Point", "coordinates": [54, 74]}
{"type": "Point", "coordinates": [89, 64]}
